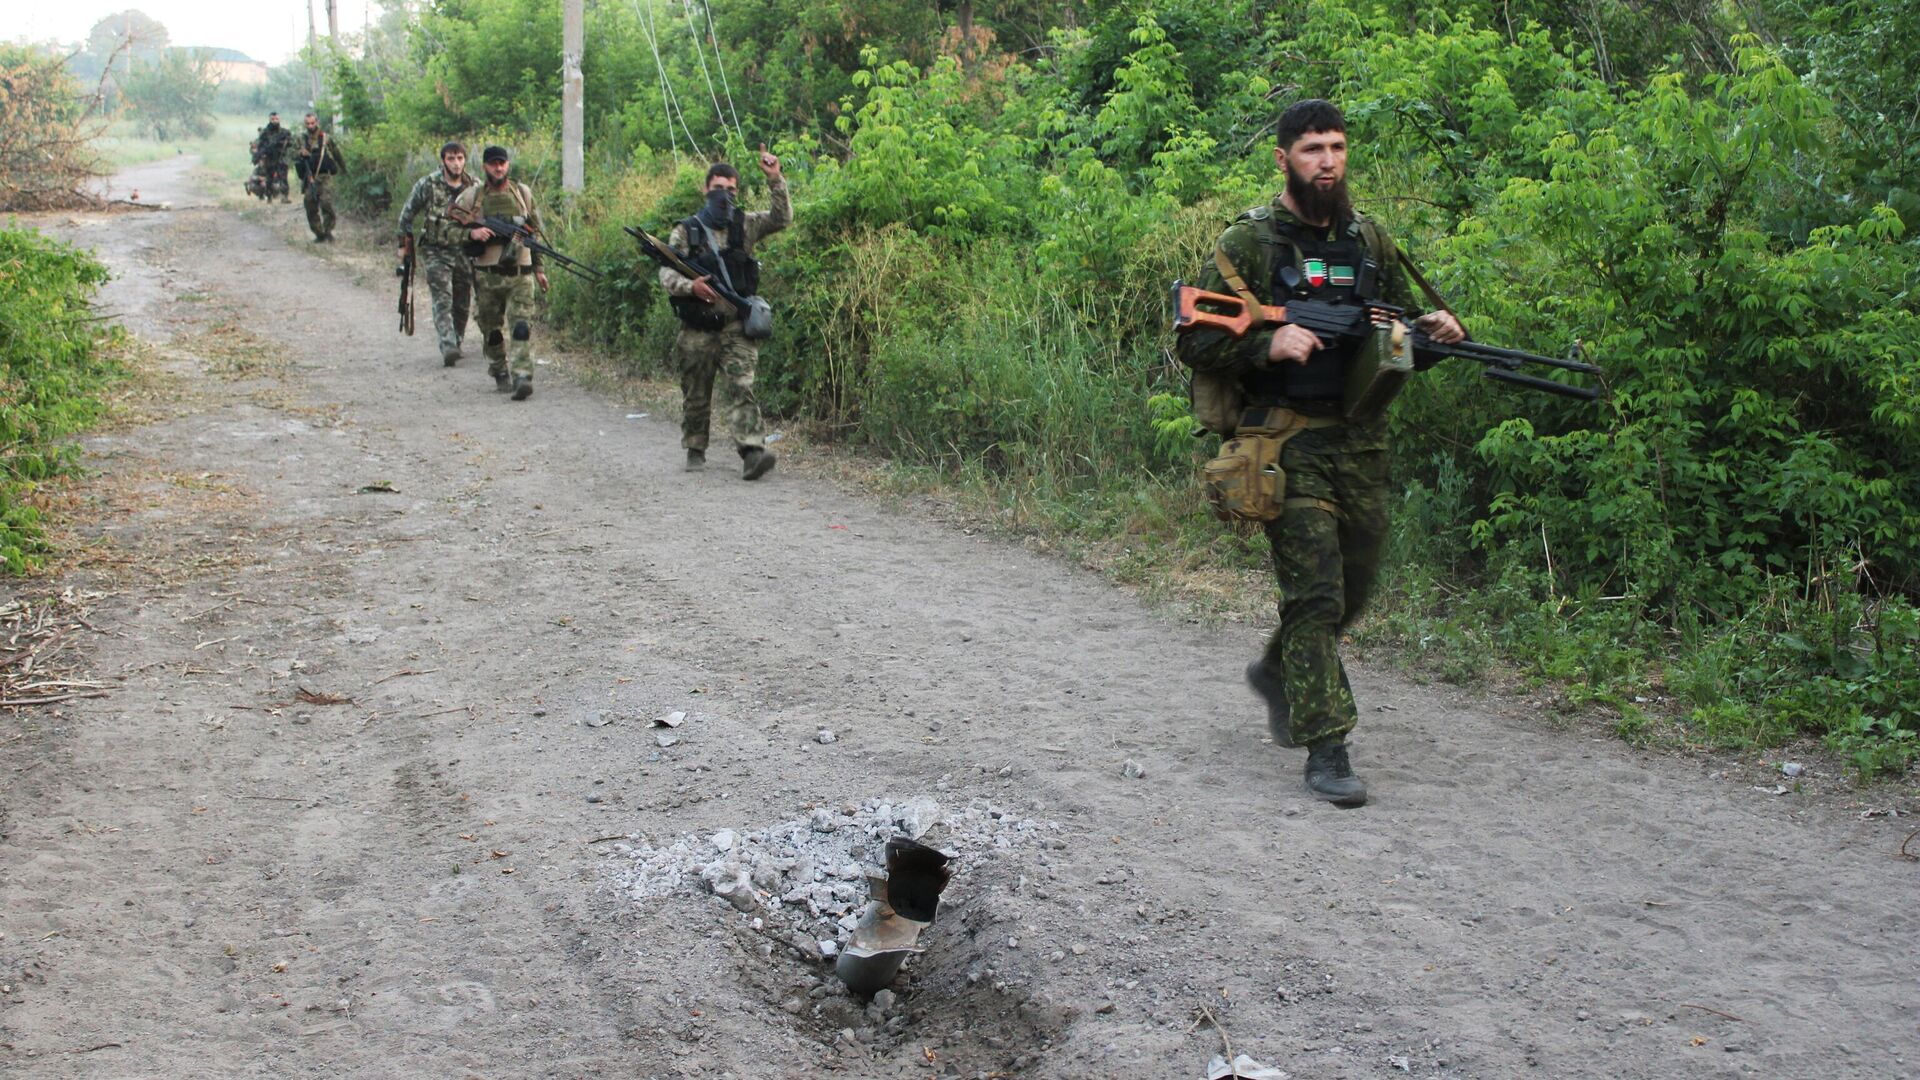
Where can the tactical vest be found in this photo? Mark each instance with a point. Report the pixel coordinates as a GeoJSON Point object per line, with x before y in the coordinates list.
{"type": "Point", "coordinates": [742, 271]}
{"type": "Point", "coordinates": [515, 204]}
{"type": "Point", "coordinates": [436, 228]}
{"type": "Point", "coordinates": [1330, 270]}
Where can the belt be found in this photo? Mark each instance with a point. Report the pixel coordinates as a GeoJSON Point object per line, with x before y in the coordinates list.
{"type": "Point", "coordinates": [508, 271]}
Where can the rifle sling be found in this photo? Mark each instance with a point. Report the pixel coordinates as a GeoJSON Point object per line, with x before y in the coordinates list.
{"type": "Point", "coordinates": [1239, 286]}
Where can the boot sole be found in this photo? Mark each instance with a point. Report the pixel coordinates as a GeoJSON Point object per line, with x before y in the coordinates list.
{"type": "Point", "coordinates": [760, 467]}
{"type": "Point", "coordinates": [523, 391]}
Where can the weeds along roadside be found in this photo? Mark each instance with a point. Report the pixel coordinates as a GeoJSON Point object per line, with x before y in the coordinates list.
{"type": "Point", "coordinates": [55, 366]}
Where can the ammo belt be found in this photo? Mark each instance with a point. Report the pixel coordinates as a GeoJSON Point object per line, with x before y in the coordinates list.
{"type": "Point", "coordinates": [509, 271]}
{"type": "Point", "coordinates": [1282, 423]}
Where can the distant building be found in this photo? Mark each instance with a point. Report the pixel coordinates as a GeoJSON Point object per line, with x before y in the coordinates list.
{"type": "Point", "coordinates": [232, 66]}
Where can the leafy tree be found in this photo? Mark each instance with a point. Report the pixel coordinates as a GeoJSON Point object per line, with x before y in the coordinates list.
{"type": "Point", "coordinates": [173, 95]}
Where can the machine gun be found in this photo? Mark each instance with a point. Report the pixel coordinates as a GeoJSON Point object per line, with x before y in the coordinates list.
{"type": "Point", "coordinates": [662, 252]}
{"type": "Point", "coordinates": [405, 273]}
{"type": "Point", "coordinates": [521, 233]}
{"type": "Point", "coordinates": [1349, 322]}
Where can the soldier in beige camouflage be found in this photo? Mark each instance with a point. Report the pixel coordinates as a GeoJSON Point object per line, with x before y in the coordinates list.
{"type": "Point", "coordinates": [1327, 542]}
{"type": "Point", "coordinates": [440, 246]}
{"type": "Point", "coordinates": [504, 272]}
{"type": "Point", "coordinates": [712, 343]}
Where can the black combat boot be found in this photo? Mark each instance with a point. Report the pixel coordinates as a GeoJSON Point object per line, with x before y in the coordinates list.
{"type": "Point", "coordinates": [755, 462]}
{"type": "Point", "coordinates": [522, 387]}
{"type": "Point", "coordinates": [1274, 693]}
{"type": "Point", "coordinates": [449, 357]}
{"type": "Point", "coordinates": [502, 382]}
{"type": "Point", "coordinates": [696, 460]}
{"type": "Point", "coordinates": [1330, 777]}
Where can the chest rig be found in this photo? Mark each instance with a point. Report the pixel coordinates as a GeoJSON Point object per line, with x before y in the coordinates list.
{"type": "Point", "coordinates": [729, 262]}
{"type": "Point", "coordinates": [1329, 265]}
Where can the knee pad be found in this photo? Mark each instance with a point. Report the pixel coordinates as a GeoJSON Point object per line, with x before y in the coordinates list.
{"type": "Point", "coordinates": [521, 331]}
{"type": "Point", "coordinates": [495, 337]}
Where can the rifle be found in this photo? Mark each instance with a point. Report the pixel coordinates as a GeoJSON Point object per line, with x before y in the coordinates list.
{"type": "Point", "coordinates": [1195, 308]}
{"type": "Point", "coordinates": [508, 229]}
{"type": "Point", "coordinates": [405, 273]}
{"type": "Point", "coordinates": [662, 252]}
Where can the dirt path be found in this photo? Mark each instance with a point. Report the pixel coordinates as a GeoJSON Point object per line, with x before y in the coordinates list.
{"type": "Point", "coordinates": [203, 874]}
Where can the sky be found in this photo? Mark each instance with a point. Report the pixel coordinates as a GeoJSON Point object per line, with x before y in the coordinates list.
{"type": "Point", "coordinates": [270, 30]}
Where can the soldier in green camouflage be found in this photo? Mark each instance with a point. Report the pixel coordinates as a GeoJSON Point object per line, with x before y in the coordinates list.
{"type": "Point", "coordinates": [1327, 543]}
{"type": "Point", "coordinates": [270, 157]}
{"type": "Point", "coordinates": [317, 159]}
{"type": "Point", "coordinates": [439, 247]}
{"type": "Point", "coordinates": [504, 272]}
{"type": "Point", "coordinates": [712, 343]}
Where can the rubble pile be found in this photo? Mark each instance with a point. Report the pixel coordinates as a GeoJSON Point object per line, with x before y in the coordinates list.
{"type": "Point", "coordinates": [811, 873]}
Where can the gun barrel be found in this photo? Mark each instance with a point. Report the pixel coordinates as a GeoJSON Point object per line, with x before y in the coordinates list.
{"type": "Point", "coordinates": [1494, 354]}
{"type": "Point", "coordinates": [1535, 382]}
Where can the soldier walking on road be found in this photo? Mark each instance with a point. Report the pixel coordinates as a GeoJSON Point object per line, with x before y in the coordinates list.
{"type": "Point", "coordinates": [504, 271]}
{"type": "Point", "coordinates": [1310, 244]}
{"type": "Point", "coordinates": [720, 239]}
{"type": "Point", "coordinates": [270, 157]}
{"type": "Point", "coordinates": [440, 246]}
{"type": "Point", "coordinates": [317, 157]}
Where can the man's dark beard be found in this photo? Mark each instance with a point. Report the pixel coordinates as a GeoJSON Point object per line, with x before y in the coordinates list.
{"type": "Point", "coordinates": [1316, 204]}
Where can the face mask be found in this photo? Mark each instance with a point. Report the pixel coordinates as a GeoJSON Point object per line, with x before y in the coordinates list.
{"type": "Point", "coordinates": [719, 209]}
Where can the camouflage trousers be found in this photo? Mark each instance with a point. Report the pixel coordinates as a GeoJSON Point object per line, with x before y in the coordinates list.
{"type": "Point", "coordinates": [728, 356]}
{"type": "Point", "coordinates": [450, 282]}
{"type": "Point", "coordinates": [501, 302]}
{"type": "Point", "coordinates": [1325, 559]}
{"type": "Point", "coordinates": [319, 202]}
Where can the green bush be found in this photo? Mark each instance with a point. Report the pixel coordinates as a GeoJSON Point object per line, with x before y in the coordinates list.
{"type": "Point", "coordinates": [50, 376]}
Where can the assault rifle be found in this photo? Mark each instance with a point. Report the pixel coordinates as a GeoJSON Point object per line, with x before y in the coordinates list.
{"type": "Point", "coordinates": [1194, 308]}
{"type": "Point", "coordinates": [508, 229]}
{"type": "Point", "coordinates": [662, 252]}
{"type": "Point", "coordinates": [405, 273]}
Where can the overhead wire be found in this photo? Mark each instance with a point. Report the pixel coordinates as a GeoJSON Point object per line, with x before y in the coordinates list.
{"type": "Point", "coordinates": [700, 53]}
{"type": "Point", "coordinates": [720, 63]}
{"type": "Point", "coordinates": [669, 100]}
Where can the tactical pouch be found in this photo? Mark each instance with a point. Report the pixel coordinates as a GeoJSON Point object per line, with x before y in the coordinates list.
{"type": "Point", "coordinates": [1244, 481]}
{"type": "Point", "coordinates": [758, 324]}
{"type": "Point", "coordinates": [1377, 372]}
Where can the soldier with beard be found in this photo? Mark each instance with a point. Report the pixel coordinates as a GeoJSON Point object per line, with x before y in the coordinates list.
{"type": "Point", "coordinates": [318, 161]}
{"type": "Point", "coordinates": [270, 157]}
{"type": "Point", "coordinates": [1327, 542]}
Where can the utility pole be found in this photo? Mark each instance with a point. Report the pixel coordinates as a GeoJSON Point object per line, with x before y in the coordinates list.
{"type": "Point", "coordinates": [313, 60]}
{"type": "Point", "coordinates": [572, 107]}
{"type": "Point", "coordinates": [333, 43]}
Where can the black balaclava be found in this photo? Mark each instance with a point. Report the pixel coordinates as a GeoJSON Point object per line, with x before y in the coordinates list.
{"type": "Point", "coordinates": [718, 213]}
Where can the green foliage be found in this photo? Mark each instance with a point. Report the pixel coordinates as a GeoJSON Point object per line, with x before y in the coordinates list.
{"type": "Point", "coordinates": [973, 285]}
{"type": "Point", "coordinates": [50, 375]}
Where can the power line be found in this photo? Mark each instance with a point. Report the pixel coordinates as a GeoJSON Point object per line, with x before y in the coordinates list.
{"type": "Point", "coordinates": [670, 100]}
{"type": "Point", "coordinates": [719, 62]}
{"type": "Point", "coordinates": [700, 53]}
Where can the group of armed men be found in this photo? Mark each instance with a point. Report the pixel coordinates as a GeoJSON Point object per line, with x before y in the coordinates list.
{"type": "Point", "coordinates": [443, 223]}
{"type": "Point", "coordinates": [316, 160]}
{"type": "Point", "coordinates": [1308, 245]}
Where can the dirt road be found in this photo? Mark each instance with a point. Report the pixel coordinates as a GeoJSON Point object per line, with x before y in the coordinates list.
{"type": "Point", "coordinates": [214, 872]}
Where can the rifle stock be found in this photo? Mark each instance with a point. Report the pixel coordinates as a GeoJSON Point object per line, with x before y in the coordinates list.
{"type": "Point", "coordinates": [405, 273]}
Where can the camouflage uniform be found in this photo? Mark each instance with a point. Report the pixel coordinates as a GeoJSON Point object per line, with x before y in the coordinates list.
{"type": "Point", "coordinates": [270, 160]}
{"type": "Point", "coordinates": [503, 276]}
{"type": "Point", "coordinates": [1327, 556]}
{"type": "Point", "coordinates": [320, 157]}
{"type": "Point", "coordinates": [702, 354]}
{"type": "Point", "coordinates": [440, 249]}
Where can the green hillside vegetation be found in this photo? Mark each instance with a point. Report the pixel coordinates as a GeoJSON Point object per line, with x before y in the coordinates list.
{"type": "Point", "coordinates": [993, 197]}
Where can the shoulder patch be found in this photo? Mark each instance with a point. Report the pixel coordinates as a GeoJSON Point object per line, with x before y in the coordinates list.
{"type": "Point", "coordinates": [1257, 213]}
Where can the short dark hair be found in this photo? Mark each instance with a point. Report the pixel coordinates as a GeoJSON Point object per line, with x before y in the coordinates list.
{"type": "Point", "coordinates": [720, 168]}
{"type": "Point", "coordinates": [1305, 117]}
{"type": "Point", "coordinates": [452, 148]}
